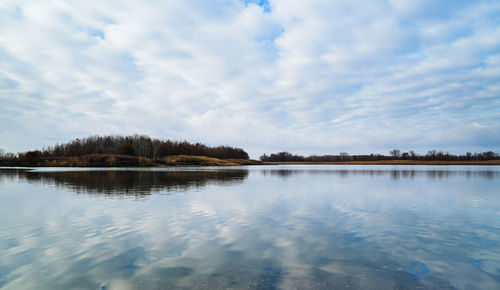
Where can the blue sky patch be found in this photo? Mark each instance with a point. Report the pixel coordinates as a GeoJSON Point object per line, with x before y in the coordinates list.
{"type": "Point", "coordinates": [262, 3]}
{"type": "Point", "coordinates": [96, 33]}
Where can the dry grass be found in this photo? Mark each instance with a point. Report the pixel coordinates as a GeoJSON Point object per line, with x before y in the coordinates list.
{"type": "Point", "coordinates": [245, 161]}
{"type": "Point", "coordinates": [115, 160]}
{"type": "Point", "coordinates": [205, 161]}
{"type": "Point", "coordinates": [397, 162]}
{"type": "Point", "coordinates": [195, 160]}
{"type": "Point", "coordinates": [111, 160]}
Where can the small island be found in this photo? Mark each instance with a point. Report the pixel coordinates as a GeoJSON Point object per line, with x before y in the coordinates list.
{"type": "Point", "coordinates": [128, 151]}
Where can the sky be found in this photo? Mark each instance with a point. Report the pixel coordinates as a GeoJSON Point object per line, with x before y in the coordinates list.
{"type": "Point", "coordinates": [308, 77]}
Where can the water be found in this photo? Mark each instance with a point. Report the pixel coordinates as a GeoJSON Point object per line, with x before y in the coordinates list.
{"type": "Point", "coordinates": [269, 227]}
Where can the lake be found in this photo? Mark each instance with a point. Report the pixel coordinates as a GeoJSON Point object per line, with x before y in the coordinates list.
{"type": "Point", "coordinates": [258, 227]}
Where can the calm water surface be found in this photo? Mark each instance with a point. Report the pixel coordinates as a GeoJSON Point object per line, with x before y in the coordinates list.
{"type": "Point", "coordinates": [272, 227]}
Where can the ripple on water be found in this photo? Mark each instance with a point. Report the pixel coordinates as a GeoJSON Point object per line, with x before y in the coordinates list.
{"type": "Point", "coordinates": [290, 229]}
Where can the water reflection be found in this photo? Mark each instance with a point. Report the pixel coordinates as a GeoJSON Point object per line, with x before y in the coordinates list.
{"type": "Point", "coordinates": [125, 183]}
{"type": "Point", "coordinates": [255, 228]}
{"type": "Point", "coordinates": [394, 174]}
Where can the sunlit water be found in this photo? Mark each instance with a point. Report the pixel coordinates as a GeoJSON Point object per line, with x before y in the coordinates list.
{"type": "Point", "coordinates": [272, 227]}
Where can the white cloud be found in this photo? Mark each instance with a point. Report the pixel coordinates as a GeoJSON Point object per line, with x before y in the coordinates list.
{"type": "Point", "coordinates": [306, 76]}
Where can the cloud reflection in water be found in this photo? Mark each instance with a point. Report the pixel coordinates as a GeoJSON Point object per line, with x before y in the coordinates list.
{"type": "Point", "coordinates": [257, 228]}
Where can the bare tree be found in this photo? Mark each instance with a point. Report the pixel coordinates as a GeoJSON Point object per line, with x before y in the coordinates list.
{"type": "Point", "coordinates": [396, 153]}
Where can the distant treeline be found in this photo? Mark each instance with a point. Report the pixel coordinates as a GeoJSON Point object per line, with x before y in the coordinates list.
{"type": "Point", "coordinates": [136, 145]}
{"type": "Point", "coordinates": [396, 154]}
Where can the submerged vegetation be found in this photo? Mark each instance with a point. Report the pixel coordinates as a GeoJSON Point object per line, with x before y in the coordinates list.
{"type": "Point", "coordinates": [136, 150]}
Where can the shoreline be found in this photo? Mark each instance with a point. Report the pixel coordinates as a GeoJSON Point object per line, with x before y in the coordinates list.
{"type": "Point", "coordinates": [231, 164]}
{"type": "Point", "coordinates": [391, 162]}
{"type": "Point", "coordinates": [114, 160]}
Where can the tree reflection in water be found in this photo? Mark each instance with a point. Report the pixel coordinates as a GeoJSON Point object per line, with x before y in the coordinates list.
{"type": "Point", "coordinates": [127, 183]}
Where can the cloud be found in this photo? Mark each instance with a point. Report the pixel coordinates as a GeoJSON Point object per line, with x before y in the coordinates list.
{"type": "Point", "coordinates": [310, 77]}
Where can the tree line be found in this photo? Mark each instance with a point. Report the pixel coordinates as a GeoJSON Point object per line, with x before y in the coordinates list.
{"type": "Point", "coordinates": [134, 145]}
{"type": "Point", "coordinates": [432, 155]}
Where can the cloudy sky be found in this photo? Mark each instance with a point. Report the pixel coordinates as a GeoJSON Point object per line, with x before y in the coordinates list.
{"type": "Point", "coordinates": [317, 76]}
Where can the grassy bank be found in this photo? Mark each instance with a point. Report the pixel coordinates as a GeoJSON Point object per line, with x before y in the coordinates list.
{"type": "Point", "coordinates": [206, 161]}
{"type": "Point", "coordinates": [116, 160]}
{"type": "Point", "coordinates": [396, 162]}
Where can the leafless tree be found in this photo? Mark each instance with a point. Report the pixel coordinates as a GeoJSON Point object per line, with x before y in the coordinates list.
{"type": "Point", "coordinates": [396, 153]}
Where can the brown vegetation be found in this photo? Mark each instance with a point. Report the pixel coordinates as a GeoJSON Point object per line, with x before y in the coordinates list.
{"type": "Point", "coordinates": [206, 161]}
{"type": "Point", "coordinates": [116, 160]}
{"type": "Point", "coordinates": [196, 160]}
{"type": "Point", "coordinates": [92, 160]}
